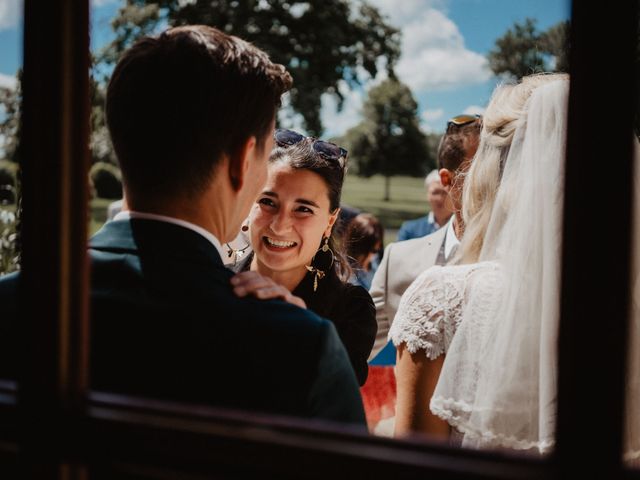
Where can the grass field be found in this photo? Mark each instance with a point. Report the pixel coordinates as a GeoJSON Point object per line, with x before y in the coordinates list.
{"type": "Point", "coordinates": [408, 200]}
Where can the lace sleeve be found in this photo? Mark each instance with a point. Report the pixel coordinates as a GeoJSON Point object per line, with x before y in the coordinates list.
{"type": "Point", "coordinates": [429, 313]}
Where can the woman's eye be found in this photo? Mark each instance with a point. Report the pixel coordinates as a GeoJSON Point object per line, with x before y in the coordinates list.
{"type": "Point", "coordinates": [304, 210]}
{"type": "Point", "coordinates": [267, 202]}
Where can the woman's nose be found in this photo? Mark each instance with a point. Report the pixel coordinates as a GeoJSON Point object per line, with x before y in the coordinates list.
{"type": "Point", "coordinates": [280, 224]}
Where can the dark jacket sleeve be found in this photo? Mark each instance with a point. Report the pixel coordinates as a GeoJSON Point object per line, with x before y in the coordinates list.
{"type": "Point", "coordinates": [334, 395]}
{"type": "Point", "coordinates": [358, 328]}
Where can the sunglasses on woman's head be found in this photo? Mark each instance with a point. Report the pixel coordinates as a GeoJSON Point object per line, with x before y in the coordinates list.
{"type": "Point", "coordinates": [462, 120]}
{"type": "Point", "coordinates": [327, 150]}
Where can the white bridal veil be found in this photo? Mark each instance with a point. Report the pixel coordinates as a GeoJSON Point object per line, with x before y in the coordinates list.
{"type": "Point", "coordinates": [498, 382]}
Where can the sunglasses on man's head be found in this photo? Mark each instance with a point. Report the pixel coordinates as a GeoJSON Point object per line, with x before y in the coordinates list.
{"type": "Point", "coordinates": [327, 150]}
{"type": "Point", "coordinates": [462, 120]}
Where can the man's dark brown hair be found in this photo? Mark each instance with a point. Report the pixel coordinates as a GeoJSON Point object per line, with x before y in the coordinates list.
{"type": "Point", "coordinates": [455, 143]}
{"type": "Point", "coordinates": [177, 102]}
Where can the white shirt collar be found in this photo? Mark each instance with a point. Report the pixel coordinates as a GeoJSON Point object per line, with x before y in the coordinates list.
{"type": "Point", "coordinates": [451, 240]}
{"type": "Point", "coordinates": [128, 214]}
{"type": "Point", "coordinates": [431, 218]}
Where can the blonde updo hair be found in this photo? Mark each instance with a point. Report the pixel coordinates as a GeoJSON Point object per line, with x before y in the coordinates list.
{"type": "Point", "coordinates": [506, 111]}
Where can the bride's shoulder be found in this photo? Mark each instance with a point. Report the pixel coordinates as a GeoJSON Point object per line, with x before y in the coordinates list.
{"type": "Point", "coordinates": [457, 274]}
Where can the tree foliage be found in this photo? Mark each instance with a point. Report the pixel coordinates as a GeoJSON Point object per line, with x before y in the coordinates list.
{"type": "Point", "coordinates": [320, 41]}
{"type": "Point", "coordinates": [10, 108]}
{"type": "Point", "coordinates": [389, 140]}
{"type": "Point", "coordinates": [524, 50]}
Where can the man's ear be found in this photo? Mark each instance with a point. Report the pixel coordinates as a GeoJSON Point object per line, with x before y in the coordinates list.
{"type": "Point", "coordinates": [239, 163]}
{"type": "Point", "coordinates": [332, 220]}
{"type": "Point", "coordinates": [446, 178]}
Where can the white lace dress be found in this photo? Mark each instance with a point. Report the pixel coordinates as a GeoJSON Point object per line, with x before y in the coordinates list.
{"type": "Point", "coordinates": [431, 309]}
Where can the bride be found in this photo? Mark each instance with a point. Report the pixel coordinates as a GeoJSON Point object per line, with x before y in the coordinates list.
{"type": "Point", "coordinates": [495, 315]}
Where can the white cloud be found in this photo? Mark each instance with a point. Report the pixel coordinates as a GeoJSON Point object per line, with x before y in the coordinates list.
{"type": "Point", "coordinates": [10, 13]}
{"type": "Point", "coordinates": [430, 120]}
{"type": "Point", "coordinates": [474, 110]}
{"type": "Point", "coordinates": [336, 123]}
{"type": "Point", "coordinates": [403, 12]}
{"type": "Point", "coordinates": [432, 115]}
{"type": "Point", "coordinates": [434, 56]}
{"type": "Point", "coordinates": [7, 81]}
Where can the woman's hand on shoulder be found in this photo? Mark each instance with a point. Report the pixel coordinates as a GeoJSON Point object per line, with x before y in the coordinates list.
{"type": "Point", "coordinates": [264, 288]}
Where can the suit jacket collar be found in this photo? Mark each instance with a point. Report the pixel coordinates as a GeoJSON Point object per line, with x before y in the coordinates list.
{"type": "Point", "coordinates": [136, 236]}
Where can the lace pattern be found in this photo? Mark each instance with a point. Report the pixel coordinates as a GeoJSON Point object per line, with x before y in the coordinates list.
{"type": "Point", "coordinates": [430, 311]}
{"type": "Point", "coordinates": [456, 413]}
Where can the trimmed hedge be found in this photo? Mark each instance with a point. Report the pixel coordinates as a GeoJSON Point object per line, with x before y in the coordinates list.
{"type": "Point", "coordinates": [106, 180]}
{"type": "Point", "coordinates": [8, 181]}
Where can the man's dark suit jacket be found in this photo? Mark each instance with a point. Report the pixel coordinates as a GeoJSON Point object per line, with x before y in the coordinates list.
{"type": "Point", "coordinates": [165, 323]}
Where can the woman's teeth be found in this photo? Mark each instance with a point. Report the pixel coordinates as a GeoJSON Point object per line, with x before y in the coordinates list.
{"type": "Point", "coordinates": [279, 243]}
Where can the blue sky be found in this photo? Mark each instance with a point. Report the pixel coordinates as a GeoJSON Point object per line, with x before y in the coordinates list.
{"type": "Point", "coordinates": [445, 43]}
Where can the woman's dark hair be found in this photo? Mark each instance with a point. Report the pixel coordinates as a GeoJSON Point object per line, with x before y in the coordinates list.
{"type": "Point", "coordinates": [363, 236]}
{"type": "Point", "coordinates": [302, 156]}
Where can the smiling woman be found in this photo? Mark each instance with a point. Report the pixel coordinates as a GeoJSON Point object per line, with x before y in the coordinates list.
{"type": "Point", "coordinates": [291, 230]}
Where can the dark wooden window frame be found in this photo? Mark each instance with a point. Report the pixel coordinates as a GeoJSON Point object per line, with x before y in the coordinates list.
{"type": "Point", "coordinates": [52, 426]}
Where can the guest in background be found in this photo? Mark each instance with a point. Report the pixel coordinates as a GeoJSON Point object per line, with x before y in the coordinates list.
{"type": "Point", "coordinates": [404, 261]}
{"type": "Point", "coordinates": [477, 340]}
{"type": "Point", "coordinates": [363, 240]}
{"type": "Point", "coordinates": [296, 256]}
{"type": "Point", "coordinates": [440, 211]}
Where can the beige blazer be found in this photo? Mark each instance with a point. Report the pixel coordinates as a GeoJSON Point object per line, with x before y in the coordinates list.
{"type": "Point", "coordinates": [401, 264]}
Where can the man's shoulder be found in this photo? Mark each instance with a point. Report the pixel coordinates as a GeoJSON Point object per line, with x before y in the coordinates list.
{"type": "Point", "coordinates": [413, 245]}
{"type": "Point", "coordinates": [8, 285]}
{"type": "Point", "coordinates": [415, 223]}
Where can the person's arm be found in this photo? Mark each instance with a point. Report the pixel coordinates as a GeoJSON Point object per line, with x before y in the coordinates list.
{"type": "Point", "coordinates": [418, 334]}
{"type": "Point", "coordinates": [357, 328]}
{"type": "Point", "coordinates": [334, 393]}
{"type": "Point", "coordinates": [416, 379]}
{"type": "Point", "coordinates": [378, 292]}
{"type": "Point", "coordinates": [404, 233]}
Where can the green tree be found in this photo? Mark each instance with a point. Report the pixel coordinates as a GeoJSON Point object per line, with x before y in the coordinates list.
{"type": "Point", "coordinates": [389, 140]}
{"type": "Point", "coordinates": [10, 107]}
{"type": "Point", "coordinates": [99, 140]}
{"type": "Point", "coordinates": [555, 42]}
{"type": "Point", "coordinates": [320, 41]}
{"type": "Point", "coordinates": [523, 50]}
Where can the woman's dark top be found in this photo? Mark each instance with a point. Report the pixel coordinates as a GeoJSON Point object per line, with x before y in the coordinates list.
{"type": "Point", "coordinates": [349, 307]}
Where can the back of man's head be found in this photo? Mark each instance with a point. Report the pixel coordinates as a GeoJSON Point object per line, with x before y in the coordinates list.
{"type": "Point", "coordinates": [457, 142]}
{"type": "Point", "coordinates": [177, 102]}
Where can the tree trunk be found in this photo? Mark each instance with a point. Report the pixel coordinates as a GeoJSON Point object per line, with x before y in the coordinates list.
{"type": "Point", "coordinates": [387, 188]}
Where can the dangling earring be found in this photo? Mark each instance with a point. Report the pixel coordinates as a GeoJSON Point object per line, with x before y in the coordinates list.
{"type": "Point", "coordinates": [238, 253]}
{"type": "Point", "coordinates": [320, 273]}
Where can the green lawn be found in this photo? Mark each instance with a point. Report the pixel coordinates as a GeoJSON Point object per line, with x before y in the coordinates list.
{"type": "Point", "coordinates": [98, 211]}
{"type": "Point", "coordinates": [408, 200]}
